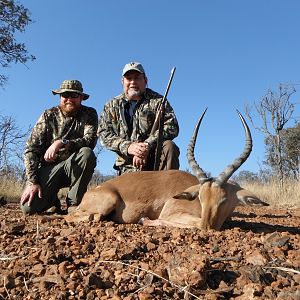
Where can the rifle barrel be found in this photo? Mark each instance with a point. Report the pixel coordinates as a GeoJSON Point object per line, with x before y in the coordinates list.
{"type": "Point", "coordinates": [169, 83]}
{"type": "Point", "coordinates": [162, 103]}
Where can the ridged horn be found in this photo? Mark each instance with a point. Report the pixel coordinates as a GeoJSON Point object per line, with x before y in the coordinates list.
{"type": "Point", "coordinates": [230, 169]}
{"type": "Point", "coordinates": [199, 173]}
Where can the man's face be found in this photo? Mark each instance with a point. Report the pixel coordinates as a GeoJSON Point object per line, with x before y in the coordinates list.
{"type": "Point", "coordinates": [134, 84]}
{"type": "Point", "coordinates": [70, 102]}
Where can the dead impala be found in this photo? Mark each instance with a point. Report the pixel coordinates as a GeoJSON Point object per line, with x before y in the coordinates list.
{"type": "Point", "coordinates": [170, 198]}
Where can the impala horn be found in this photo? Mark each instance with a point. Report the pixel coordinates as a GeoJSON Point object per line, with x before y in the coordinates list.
{"type": "Point", "coordinates": [230, 169]}
{"type": "Point", "coordinates": [199, 173]}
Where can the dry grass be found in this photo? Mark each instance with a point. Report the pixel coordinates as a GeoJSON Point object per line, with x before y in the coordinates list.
{"type": "Point", "coordinates": [10, 189]}
{"type": "Point", "coordinates": [287, 196]}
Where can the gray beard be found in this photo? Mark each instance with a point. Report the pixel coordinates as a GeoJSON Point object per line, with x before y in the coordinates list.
{"type": "Point", "coordinates": [134, 93]}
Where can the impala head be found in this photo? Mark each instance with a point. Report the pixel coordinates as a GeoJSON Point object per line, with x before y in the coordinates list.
{"type": "Point", "coordinates": [218, 197]}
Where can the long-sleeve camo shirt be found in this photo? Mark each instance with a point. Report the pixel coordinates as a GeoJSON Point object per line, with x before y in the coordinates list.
{"type": "Point", "coordinates": [53, 124]}
{"type": "Point", "coordinates": [114, 132]}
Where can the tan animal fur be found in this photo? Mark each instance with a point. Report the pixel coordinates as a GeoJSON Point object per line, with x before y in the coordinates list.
{"type": "Point", "coordinates": [169, 198]}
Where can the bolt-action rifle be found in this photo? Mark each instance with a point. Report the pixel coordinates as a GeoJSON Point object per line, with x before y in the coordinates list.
{"type": "Point", "coordinates": [159, 123]}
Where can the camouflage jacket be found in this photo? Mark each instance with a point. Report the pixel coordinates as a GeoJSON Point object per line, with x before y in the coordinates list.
{"type": "Point", "coordinates": [53, 125]}
{"type": "Point", "coordinates": [113, 130]}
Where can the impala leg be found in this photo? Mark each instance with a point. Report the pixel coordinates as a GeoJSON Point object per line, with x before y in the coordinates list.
{"type": "Point", "coordinates": [79, 216]}
{"type": "Point", "coordinates": [178, 213]}
{"type": "Point", "coordinates": [160, 222]}
{"type": "Point", "coordinates": [95, 206]}
{"type": "Point", "coordinates": [187, 221]}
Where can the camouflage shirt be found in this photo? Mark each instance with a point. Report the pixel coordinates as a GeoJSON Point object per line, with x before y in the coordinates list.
{"type": "Point", "coordinates": [114, 133]}
{"type": "Point", "coordinates": [53, 124]}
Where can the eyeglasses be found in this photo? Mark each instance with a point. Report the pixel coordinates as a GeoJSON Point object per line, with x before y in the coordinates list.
{"type": "Point", "coordinates": [70, 95]}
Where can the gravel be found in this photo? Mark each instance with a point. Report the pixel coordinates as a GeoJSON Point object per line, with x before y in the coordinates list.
{"type": "Point", "coordinates": [256, 255]}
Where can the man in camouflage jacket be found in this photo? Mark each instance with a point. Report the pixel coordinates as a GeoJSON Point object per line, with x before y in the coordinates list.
{"type": "Point", "coordinates": [126, 122]}
{"type": "Point", "coordinates": [59, 152]}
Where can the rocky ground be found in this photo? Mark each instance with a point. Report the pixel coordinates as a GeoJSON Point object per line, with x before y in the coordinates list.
{"type": "Point", "coordinates": [255, 256]}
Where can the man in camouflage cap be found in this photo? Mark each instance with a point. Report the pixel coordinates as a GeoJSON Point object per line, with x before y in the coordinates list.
{"type": "Point", "coordinates": [126, 122]}
{"type": "Point", "coordinates": [59, 152]}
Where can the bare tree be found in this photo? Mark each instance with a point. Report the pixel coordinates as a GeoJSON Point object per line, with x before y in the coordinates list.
{"type": "Point", "coordinates": [12, 141]}
{"type": "Point", "coordinates": [274, 109]}
{"type": "Point", "coordinates": [14, 18]}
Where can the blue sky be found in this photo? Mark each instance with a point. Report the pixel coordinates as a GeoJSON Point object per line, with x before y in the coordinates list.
{"type": "Point", "coordinates": [226, 53]}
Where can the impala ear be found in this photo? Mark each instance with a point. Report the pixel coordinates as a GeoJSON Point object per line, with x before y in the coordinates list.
{"type": "Point", "coordinates": [190, 193]}
{"type": "Point", "coordinates": [247, 198]}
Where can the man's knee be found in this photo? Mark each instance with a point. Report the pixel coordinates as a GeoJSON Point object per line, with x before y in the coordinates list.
{"type": "Point", "coordinates": [170, 147]}
{"type": "Point", "coordinates": [170, 156]}
{"type": "Point", "coordinates": [87, 152]}
{"type": "Point", "coordinates": [87, 155]}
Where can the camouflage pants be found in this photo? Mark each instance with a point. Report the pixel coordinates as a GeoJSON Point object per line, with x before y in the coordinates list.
{"type": "Point", "coordinates": [169, 159]}
{"type": "Point", "coordinates": [75, 173]}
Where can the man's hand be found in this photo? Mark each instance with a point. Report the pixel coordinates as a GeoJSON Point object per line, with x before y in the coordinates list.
{"type": "Point", "coordinates": [140, 152]}
{"type": "Point", "coordinates": [29, 192]}
{"type": "Point", "coordinates": [139, 162]}
{"type": "Point", "coordinates": [50, 154]}
{"type": "Point", "coordinates": [139, 149]}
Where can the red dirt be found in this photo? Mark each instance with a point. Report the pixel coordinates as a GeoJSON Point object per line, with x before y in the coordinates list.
{"type": "Point", "coordinates": [255, 256]}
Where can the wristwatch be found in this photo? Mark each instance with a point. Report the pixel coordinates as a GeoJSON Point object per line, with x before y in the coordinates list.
{"type": "Point", "coordinates": [65, 142]}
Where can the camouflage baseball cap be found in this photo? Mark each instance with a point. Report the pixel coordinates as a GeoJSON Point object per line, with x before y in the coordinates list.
{"type": "Point", "coordinates": [133, 66]}
{"type": "Point", "coordinates": [71, 86]}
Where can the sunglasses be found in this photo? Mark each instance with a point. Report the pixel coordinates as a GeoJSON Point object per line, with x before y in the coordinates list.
{"type": "Point", "coordinates": [70, 95]}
